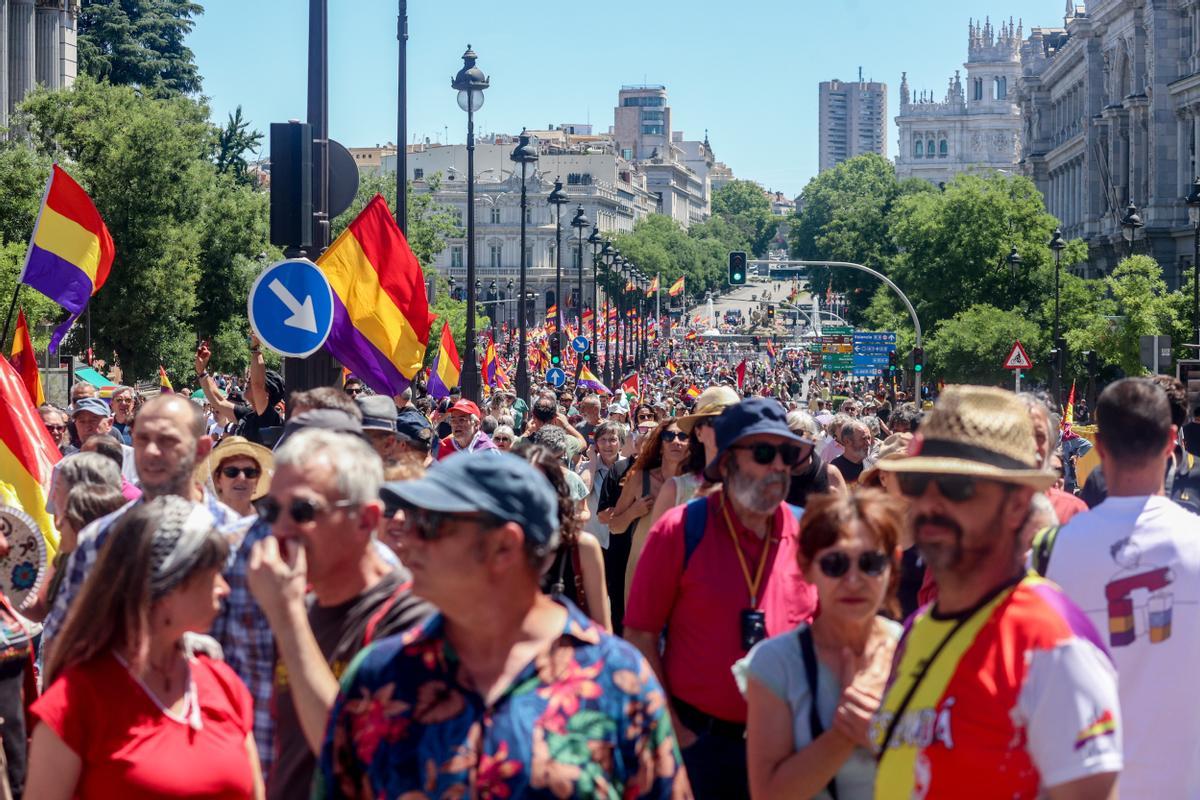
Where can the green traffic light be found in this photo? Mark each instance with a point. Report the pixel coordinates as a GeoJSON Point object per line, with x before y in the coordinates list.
{"type": "Point", "coordinates": [554, 359]}
{"type": "Point", "coordinates": [917, 367]}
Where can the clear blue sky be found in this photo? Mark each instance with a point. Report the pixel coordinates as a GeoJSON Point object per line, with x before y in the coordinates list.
{"type": "Point", "coordinates": [747, 71]}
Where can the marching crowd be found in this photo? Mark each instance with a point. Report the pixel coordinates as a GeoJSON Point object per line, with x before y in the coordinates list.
{"type": "Point", "coordinates": [778, 586]}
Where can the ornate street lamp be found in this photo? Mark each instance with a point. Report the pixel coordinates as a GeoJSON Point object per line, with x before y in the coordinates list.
{"type": "Point", "coordinates": [1057, 244]}
{"type": "Point", "coordinates": [1193, 204]}
{"type": "Point", "coordinates": [470, 83]}
{"type": "Point", "coordinates": [508, 298]}
{"type": "Point", "coordinates": [524, 154]}
{"type": "Point", "coordinates": [1130, 224]}
{"type": "Point", "coordinates": [558, 199]}
{"type": "Point", "coordinates": [580, 222]}
{"type": "Point", "coordinates": [594, 240]}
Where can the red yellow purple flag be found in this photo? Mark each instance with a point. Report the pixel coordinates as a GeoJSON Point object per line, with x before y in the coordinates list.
{"type": "Point", "coordinates": [164, 383]}
{"type": "Point", "coordinates": [447, 367]}
{"type": "Point", "coordinates": [381, 316]}
{"type": "Point", "coordinates": [488, 367]}
{"type": "Point", "coordinates": [24, 360]}
{"type": "Point", "coordinates": [27, 454]}
{"type": "Point", "coordinates": [71, 251]}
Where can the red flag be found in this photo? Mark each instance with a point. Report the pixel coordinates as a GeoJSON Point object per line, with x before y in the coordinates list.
{"type": "Point", "coordinates": [741, 374]}
{"type": "Point", "coordinates": [24, 360]}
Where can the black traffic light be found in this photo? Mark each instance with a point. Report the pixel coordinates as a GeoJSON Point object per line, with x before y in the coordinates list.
{"type": "Point", "coordinates": [893, 361]}
{"type": "Point", "coordinates": [555, 350]}
{"type": "Point", "coordinates": [737, 268]}
{"type": "Point", "coordinates": [770, 313]}
{"type": "Point", "coordinates": [918, 357]}
{"type": "Point", "coordinates": [291, 184]}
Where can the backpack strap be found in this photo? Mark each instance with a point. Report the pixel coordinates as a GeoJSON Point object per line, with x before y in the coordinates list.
{"type": "Point", "coordinates": [1043, 544]}
{"type": "Point", "coordinates": [809, 654]}
{"type": "Point", "coordinates": [695, 520]}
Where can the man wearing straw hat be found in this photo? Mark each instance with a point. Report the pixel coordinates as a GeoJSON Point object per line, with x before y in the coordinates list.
{"type": "Point", "coordinates": [1002, 679]}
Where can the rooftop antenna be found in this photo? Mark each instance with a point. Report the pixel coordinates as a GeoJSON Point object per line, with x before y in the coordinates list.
{"type": "Point", "coordinates": [860, 79]}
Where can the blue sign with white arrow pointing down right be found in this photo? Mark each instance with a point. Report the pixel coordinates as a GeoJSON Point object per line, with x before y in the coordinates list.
{"type": "Point", "coordinates": [291, 308]}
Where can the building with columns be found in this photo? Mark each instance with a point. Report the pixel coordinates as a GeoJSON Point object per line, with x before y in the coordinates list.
{"type": "Point", "coordinates": [973, 128]}
{"type": "Point", "coordinates": [1110, 103]}
{"type": "Point", "coordinates": [38, 38]}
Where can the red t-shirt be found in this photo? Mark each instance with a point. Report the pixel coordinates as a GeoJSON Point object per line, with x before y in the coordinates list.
{"type": "Point", "coordinates": [701, 608]}
{"type": "Point", "coordinates": [132, 750]}
{"type": "Point", "coordinates": [1065, 505]}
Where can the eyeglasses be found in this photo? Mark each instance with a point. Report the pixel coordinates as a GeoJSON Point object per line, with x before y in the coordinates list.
{"type": "Point", "coordinates": [673, 436]}
{"type": "Point", "coordinates": [764, 453]}
{"type": "Point", "coordinates": [427, 524]}
{"type": "Point", "coordinates": [645, 418]}
{"type": "Point", "coordinates": [354, 391]}
{"type": "Point", "coordinates": [233, 472]}
{"type": "Point", "coordinates": [837, 564]}
{"type": "Point", "coordinates": [300, 509]}
{"type": "Point", "coordinates": [955, 488]}
{"type": "Point", "coordinates": [56, 428]}
{"type": "Point", "coordinates": [502, 440]}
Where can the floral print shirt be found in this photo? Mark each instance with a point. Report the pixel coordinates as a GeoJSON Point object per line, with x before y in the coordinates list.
{"type": "Point", "coordinates": [587, 718]}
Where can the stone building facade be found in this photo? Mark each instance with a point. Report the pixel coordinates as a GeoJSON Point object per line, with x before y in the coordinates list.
{"type": "Point", "coordinates": [1111, 108]}
{"type": "Point", "coordinates": [38, 39]}
{"type": "Point", "coordinates": [974, 127]}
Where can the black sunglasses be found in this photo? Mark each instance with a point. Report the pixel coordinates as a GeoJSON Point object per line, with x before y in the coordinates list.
{"type": "Point", "coordinates": [354, 391]}
{"type": "Point", "coordinates": [300, 509]}
{"type": "Point", "coordinates": [764, 453]}
{"type": "Point", "coordinates": [837, 564]}
{"type": "Point", "coordinates": [233, 472]}
{"type": "Point", "coordinates": [673, 436]}
{"type": "Point", "coordinates": [955, 488]}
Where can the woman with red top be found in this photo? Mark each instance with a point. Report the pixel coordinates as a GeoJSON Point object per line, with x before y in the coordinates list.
{"type": "Point", "coordinates": [128, 712]}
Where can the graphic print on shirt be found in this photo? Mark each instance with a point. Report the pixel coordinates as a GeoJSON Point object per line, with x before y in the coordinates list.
{"type": "Point", "coordinates": [1104, 724]}
{"type": "Point", "coordinates": [1133, 576]}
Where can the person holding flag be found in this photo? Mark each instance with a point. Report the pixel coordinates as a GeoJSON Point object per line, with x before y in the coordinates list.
{"type": "Point", "coordinates": [446, 368]}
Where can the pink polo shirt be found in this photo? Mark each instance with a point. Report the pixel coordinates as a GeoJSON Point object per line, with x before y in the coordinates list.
{"type": "Point", "coordinates": [701, 608]}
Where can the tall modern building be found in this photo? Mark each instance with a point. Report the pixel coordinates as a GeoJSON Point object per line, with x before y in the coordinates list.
{"type": "Point", "coordinates": [978, 129]}
{"type": "Point", "coordinates": [37, 46]}
{"type": "Point", "coordinates": [853, 120]}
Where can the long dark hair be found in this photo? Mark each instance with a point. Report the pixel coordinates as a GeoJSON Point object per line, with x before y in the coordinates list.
{"type": "Point", "coordinates": [551, 466]}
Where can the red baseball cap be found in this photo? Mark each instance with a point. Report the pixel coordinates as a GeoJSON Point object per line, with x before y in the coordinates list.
{"type": "Point", "coordinates": [466, 407]}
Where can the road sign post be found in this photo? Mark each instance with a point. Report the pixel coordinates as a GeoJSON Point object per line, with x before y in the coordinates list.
{"type": "Point", "coordinates": [1017, 359]}
{"type": "Point", "coordinates": [556, 377]}
{"type": "Point", "coordinates": [291, 308]}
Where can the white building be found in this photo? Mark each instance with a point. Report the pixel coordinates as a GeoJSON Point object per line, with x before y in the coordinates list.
{"type": "Point", "coordinates": [971, 129]}
{"type": "Point", "coordinates": [852, 120]}
{"type": "Point", "coordinates": [37, 46]}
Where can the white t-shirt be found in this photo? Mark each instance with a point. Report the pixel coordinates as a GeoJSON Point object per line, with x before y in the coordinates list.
{"type": "Point", "coordinates": [1133, 565]}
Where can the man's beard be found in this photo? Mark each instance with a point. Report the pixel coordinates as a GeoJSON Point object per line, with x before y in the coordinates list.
{"type": "Point", "coordinates": [178, 482]}
{"type": "Point", "coordinates": [759, 496]}
{"type": "Point", "coordinates": [953, 556]}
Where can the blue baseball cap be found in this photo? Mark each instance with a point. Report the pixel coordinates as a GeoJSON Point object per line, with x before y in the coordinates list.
{"type": "Point", "coordinates": [93, 405]}
{"type": "Point", "coordinates": [753, 416]}
{"type": "Point", "coordinates": [506, 486]}
{"type": "Point", "coordinates": [415, 428]}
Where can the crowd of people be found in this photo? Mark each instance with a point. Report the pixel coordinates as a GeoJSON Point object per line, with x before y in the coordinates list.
{"type": "Point", "coordinates": [759, 586]}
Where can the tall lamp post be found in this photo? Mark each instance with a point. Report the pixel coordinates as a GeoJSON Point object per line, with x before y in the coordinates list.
{"type": "Point", "coordinates": [594, 240]}
{"type": "Point", "coordinates": [579, 222]}
{"type": "Point", "coordinates": [617, 280]}
{"type": "Point", "coordinates": [1014, 264]}
{"type": "Point", "coordinates": [470, 83]}
{"type": "Point", "coordinates": [524, 154]}
{"type": "Point", "coordinates": [508, 298]}
{"type": "Point", "coordinates": [1057, 243]}
{"type": "Point", "coordinates": [558, 199]}
{"type": "Point", "coordinates": [1130, 224]}
{"type": "Point", "coordinates": [606, 255]}
{"type": "Point", "coordinates": [1193, 204]}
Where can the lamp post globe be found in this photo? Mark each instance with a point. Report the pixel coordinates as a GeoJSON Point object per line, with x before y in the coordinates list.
{"type": "Point", "coordinates": [1130, 224]}
{"type": "Point", "coordinates": [470, 83]}
{"type": "Point", "coordinates": [525, 153]}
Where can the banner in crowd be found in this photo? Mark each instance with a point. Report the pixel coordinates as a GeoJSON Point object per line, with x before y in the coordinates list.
{"type": "Point", "coordinates": [24, 361]}
{"type": "Point", "coordinates": [446, 368]}
{"type": "Point", "coordinates": [27, 453]}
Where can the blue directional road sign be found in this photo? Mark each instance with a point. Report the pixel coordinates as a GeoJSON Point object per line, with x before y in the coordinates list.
{"type": "Point", "coordinates": [556, 377]}
{"type": "Point", "coordinates": [580, 344]}
{"type": "Point", "coordinates": [291, 308]}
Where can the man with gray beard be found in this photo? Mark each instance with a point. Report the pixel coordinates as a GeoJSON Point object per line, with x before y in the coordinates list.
{"type": "Point", "coordinates": [719, 574]}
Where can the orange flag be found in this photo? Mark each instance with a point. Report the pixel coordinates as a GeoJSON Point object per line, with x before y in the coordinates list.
{"type": "Point", "coordinates": [24, 361]}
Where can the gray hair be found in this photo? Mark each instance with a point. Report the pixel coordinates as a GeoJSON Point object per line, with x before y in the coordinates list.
{"type": "Point", "coordinates": [553, 438]}
{"type": "Point", "coordinates": [357, 469]}
{"type": "Point", "coordinates": [506, 421]}
{"type": "Point", "coordinates": [872, 423]}
{"type": "Point", "coordinates": [506, 430]}
{"type": "Point", "coordinates": [802, 422]}
{"type": "Point", "coordinates": [88, 468]}
{"type": "Point", "coordinates": [612, 426]}
{"type": "Point", "coordinates": [1041, 515]}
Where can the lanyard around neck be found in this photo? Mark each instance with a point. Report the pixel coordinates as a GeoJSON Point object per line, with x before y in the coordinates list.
{"type": "Point", "coordinates": [752, 586]}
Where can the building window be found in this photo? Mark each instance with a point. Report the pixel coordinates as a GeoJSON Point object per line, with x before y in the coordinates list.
{"type": "Point", "coordinates": [456, 257]}
{"type": "Point", "coordinates": [457, 213]}
{"type": "Point", "coordinates": [978, 89]}
{"type": "Point", "coordinates": [418, 173]}
{"type": "Point", "coordinates": [929, 150]}
{"type": "Point", "coordinates": [529, 255]}
{"type": "Point", "coordinates": [652, 130]}
{"type": "Point", "coordinates": [653, 116]}
{"type": "Point", "coordinates": [918, 149]}
{"type": "Point", "coordinates": [642, 101]}
{"type": "Point", "coordinates": [495, 215]}
{"type": "Point", "coordinates": [627, 153]}
{"type": "Point", "coordinates": [943, 148]}
{"type": "Point", "coordinates": [1001, 86]}
{"type": "Point", "coordinates": [528, 215]}
{"type": "Point", "coordinates": [495, 250]}
{"type": "Point", "coordinates": [579, 179]}
{"type": "Point", "coordinates": [552, 254]}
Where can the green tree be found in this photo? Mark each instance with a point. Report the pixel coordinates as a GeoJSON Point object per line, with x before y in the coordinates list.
{"type": "Point", "coordinates": [139, 43]}
{"type": "Point", "coordinates": [1144, 308]}
{"type": "Point", "coordinates": [234, 141]}
{"type": "Point", "coordinates": [744, 205]}
{"type": "Point", "coordinates": [971, 346]}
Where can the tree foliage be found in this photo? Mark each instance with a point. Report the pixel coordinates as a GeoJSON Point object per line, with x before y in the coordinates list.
{"type": "Point", "coordinates": [234, 141]}
{"type": "Point", "coordinates": [139, 43]}
{"type": "Point", "coordinates": [971, 345]}
{"type": "Point", "coordinates": [658, 245]}
{"type": "Point", "coordinates": [744, 205]}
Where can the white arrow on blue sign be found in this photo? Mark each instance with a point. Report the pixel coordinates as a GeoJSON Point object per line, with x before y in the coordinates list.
{"type": "Point", "coordinates": [556, 377]}
{"type": "Point", "coordinates": [291, 307]}
{"type": "Point", "coordinates": [580, 344]}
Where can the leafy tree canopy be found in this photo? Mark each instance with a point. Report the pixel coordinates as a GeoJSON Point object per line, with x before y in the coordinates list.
{"type": "Point", "coordinates": [139, 43]}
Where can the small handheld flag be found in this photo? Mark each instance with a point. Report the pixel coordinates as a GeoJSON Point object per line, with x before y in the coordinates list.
{"type": "Point", "coordinates": [446, 367]}
{"type": "Point", "coordinates": [164, 383]}
{"type": "Point", "coordinates": [24, 360]}
{"type": "Point", "coordinates": [676, 288]}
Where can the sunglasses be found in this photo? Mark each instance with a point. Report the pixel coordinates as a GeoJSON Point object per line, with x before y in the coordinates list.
{"type": "Point", "coordinates": [837, 564]}
{"type": "Point", "coordinates": [58, 428]}
{"type": "Point", "coordinates": [673, 436]}
{"type": "Point", "coordinates": [233, 472]}
{"type": "Point", "coordinates": [300, 509]}
{"type": "Point", "coordinates": [427, 525]}
{"type": "Point", "coordinates": [955, 488]}
{"type": "Point", "coordinates": [646, 418]}
{"type": "Point", "coordinates": [354, 391]}
{"type": "Point", "coordinates": [502, 439]}
{"type": "Point", "coordinates": [765, 453]}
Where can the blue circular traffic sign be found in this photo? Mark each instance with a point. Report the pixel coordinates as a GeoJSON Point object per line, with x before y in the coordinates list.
{"type": "Point", "coordinates": [580, 344]}
{"type": "Point", "coordinates": [556, 377]}
{"type": "Point", "coordinates": [291, 307]}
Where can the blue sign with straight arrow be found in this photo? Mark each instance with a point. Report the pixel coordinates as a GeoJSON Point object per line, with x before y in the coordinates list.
{"type": "Point", "coordinates": [291, 308]}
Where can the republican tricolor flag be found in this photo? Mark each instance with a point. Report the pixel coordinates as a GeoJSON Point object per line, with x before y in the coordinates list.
{"type": "Point", "coordinates": [164, 383]}
{"type": "Point", "coordinates": [24, 360]}
{"type": "Point", "coordinates": [27, 454]}
{"type": "Point", "coordinates": [446, 366]}
{"type": "Point", "coordinates": [70, 252]}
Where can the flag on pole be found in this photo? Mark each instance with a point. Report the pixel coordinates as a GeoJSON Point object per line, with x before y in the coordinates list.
{"type": "Point", "coordinates": [446, 367]}
{"type": "Point", "coordinates": [693, 391]}
{"type": "Point", "coordinates": [164, 383]}
{"type": "Point", "coordinates": [691, 335]}
{"type": "Point", "coordinates": [588, 315]}
{"type": "Point", "coordinates": [653, 287]}
{"type": "Point", "coordinates": [771, 351]}
{"type": "Point", "coordinates": [551, 311]}
{"type": "Point", "coordinates": [27, 454]}
{"type": "Point", "coordinates": [672, 367]}
{"type": "Point", "coordinates": [588, 380]}
{"type": "Point", "coordinates": [381, 316]}
{"type": "Point", "coordinates": [1069, 416]}
{"type": "Point", "coordinates": [70, 252]}
{"type": "Point", "coordinates": [488, 368]}
{"type": "Point", "coordinates": [676, 288]}
{"type": "Point", "coordinates": [630, 386]}
{"type": "Point", "coordinates": [741, 374]}
{"type": "Point", "coordinates": [24, 360]}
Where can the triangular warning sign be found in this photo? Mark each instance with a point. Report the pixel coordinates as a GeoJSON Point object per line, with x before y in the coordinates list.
{"type": "Point", "coordinates": [1017, 358]}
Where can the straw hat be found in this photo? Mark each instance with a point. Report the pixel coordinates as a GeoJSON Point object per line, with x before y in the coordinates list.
{"type": "Point", "coordinates": [978, 431]}
{"type": "Point", "coordinates": [711, 402]}
{"type": "Point", "coordinates": [230, 447]}
{"type": "Point", "coordinates": [894, 446]}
